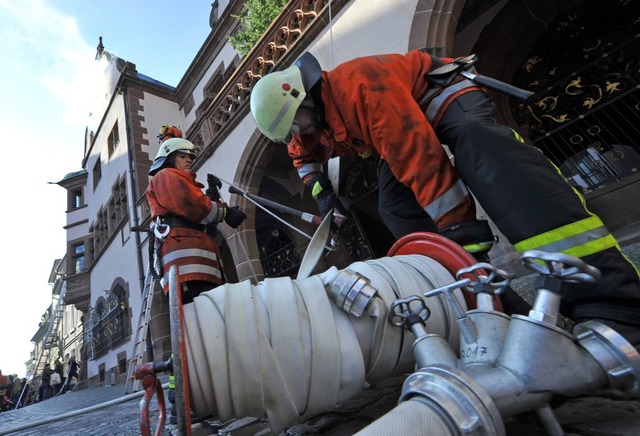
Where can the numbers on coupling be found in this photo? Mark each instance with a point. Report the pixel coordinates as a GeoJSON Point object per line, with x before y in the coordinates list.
{"type": "Point", "coordinates": [567, 268]}
{"type": "Point", "coordinates": [407, 311]}
{"type": "Point", "coordinates": [484, 277]}
{"type": "Point", "coordinates": [473, 351]}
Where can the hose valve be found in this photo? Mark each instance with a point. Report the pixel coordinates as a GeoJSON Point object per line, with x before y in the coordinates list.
{"type": "Point", "coordinates": [468, 329]}
{"type": "Point", "coordinates": [556, 270]}
{"type": "Point", "coordinates": [410, 313]}
{"type": "Point", "coordinates": [486, 282]}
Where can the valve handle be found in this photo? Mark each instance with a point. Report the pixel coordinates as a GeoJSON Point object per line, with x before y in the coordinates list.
{"type": "Point", "coordinates": [479, 281]}
{"type": "Point", "coordinates": [404, 313]}
{"type": "Point", "coordinates": [567, 268]}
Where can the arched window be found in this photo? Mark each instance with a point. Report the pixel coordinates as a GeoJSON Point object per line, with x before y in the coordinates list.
{"type": "Point", "coordinates": [111, 321]}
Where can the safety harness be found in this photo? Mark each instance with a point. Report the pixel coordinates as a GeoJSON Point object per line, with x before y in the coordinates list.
{"type": "Point", "coordinates": [158, 231]}
{"type": "Point", "coordinates": [446, 85]}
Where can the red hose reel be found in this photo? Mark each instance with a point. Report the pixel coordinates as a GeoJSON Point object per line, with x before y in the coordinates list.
{"type": "Point", "coordinates": [444, 251]}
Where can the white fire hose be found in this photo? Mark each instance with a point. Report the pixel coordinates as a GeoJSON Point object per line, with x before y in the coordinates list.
{"type": "Point", "coordinates": [287, 349]}
{"type": "Point", "coordinates": [290, 349]}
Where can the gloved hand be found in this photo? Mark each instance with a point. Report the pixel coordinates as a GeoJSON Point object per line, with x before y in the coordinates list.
{"type": "Point", "coordinates": [213, 190]}
{"type": "Point", "coordinates": [327, 199]}
{"type": "Point", "coordinates": [234, 216]}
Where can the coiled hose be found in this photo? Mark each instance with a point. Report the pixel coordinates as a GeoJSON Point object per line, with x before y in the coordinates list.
{"type": "Point", "coordinates": [282, 349]}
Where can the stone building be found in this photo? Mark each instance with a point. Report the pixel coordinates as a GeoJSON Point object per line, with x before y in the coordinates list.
{"type": "Point", "coordinates": [580, 57]}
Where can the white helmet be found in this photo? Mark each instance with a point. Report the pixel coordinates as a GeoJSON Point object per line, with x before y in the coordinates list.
{"type": "Point", "coordinates": [167, 148]}
{"type": "Point", "coordinates": [274, 101]}
{"type": "Point", "coordinates": [276, 97]}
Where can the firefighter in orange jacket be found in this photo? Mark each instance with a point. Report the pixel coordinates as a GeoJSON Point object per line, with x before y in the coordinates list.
{"type": "Point", "coordinates": [178, 203]}
{"type": "Point", "coordinates": [387, 104]}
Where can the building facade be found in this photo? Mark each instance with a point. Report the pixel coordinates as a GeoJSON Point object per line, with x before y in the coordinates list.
{"type": "Point", "coordinates": [580, 57]}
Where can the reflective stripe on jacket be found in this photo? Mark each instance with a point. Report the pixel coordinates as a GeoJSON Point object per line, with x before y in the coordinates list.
{"type": "Point", "coordinates": [372, 103]}
{"type": "Point", "coordinates": [195, 253]}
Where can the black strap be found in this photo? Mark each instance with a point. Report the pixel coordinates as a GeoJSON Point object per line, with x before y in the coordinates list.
{"type": "Point", "coordinates": [176, 221]}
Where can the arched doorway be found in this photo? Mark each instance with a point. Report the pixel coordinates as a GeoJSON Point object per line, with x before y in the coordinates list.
{"type": "Point", "coordinates": [586, 74]}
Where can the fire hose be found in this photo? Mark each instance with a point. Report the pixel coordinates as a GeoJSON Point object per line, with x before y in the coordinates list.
{"type": "Point", "coordinates": [289, 349]}
{"type": "Point", "coordinates": [283, 349]}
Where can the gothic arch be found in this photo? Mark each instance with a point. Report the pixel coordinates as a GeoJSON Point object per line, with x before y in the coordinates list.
{"type": "Point", "coordinates": [268, 171]}
{"type": "Point", "coordinates": [434, 25]}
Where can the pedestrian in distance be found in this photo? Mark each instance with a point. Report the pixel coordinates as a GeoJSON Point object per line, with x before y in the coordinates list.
{"type": "Point", "coordinates": [56, 383]}
{"type": "Point", "coordinates": [400, 108]}
{"type": "Point", "coordinates": [58, 368]}
{"type": "Point", "coordinates": [72, 375]}
{"type": "Point", "coordinates": [45, 384]}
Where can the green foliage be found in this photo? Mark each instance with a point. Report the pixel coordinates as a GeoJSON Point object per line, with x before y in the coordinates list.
{"type": "Point", "coordinates": [255, 17]}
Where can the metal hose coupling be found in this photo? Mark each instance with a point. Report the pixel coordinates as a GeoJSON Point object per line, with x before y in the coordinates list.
{"type": "Point", "coordinates": [617, 357]}
{"type": "Point", "coordinates": [456, 395]}
{"type": "Point", "coordinates": [352, 292]}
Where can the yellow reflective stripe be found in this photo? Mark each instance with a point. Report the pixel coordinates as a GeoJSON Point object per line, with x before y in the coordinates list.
{"type": "Point", "coordinates": [517, 135]}
{"type": "Point", "coordinates": [579, 239]}
{"type": "Point", "coordinates": [475, 248]}
{"type": "Point", "coordinates": [316, 190]}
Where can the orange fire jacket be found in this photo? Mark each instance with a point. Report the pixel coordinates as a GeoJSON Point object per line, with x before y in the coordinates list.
{"type": "Point", "coordinates": [173, 192]}
{"type": "Point", "coordinates": [371, 104]}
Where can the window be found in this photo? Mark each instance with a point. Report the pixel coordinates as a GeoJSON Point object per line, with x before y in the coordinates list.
{"type": "Point", "coordinates": [78, 255]}
{"type": "Point", "coordinates": [111, 217]}
{"type": "Point", "coordinates": [97, 173]}
{"type": "Point", "coordinates": [75, 199]}
{"type": "Point", "coordinates": [110, 321]}
{"type": "Point", "coordinates": [114, 139]}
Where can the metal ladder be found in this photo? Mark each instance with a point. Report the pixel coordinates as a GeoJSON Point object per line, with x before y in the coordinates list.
{"type": "Point", "coordinates": [45, 353]}
{"type": "Point", "coordinates": [140, 342]}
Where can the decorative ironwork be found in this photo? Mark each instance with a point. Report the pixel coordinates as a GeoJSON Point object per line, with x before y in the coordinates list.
{"type": "Point", "coordinates": [586, 76]}
{"type": "Point", "coordinates": [277, 253]}
{"type": "Point", "coordinates": [110, 323]}
{"type": "Point", "coordinates": [362, 179]}
{"type": "Point", "coordinates": [296, 19]}
{"type": "Point", "coordinates": [355, 241]}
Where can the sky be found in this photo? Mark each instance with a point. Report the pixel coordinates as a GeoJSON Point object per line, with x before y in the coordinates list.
{"type": "Point", "coordinates": [48, 50]}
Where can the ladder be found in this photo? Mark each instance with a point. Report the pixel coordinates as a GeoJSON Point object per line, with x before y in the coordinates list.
{"type": "Point", "coordinates": [140, 342]}
{"type": "Point", "coordinates": [44, 357]}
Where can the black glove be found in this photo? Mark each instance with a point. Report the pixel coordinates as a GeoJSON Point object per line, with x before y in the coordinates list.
{"type": "Point", "coordinates": [234, 216]}
{"type": "Point", "coordinates": [213, 190]}
{"type": "Point", "coordinates": [328, 200]}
